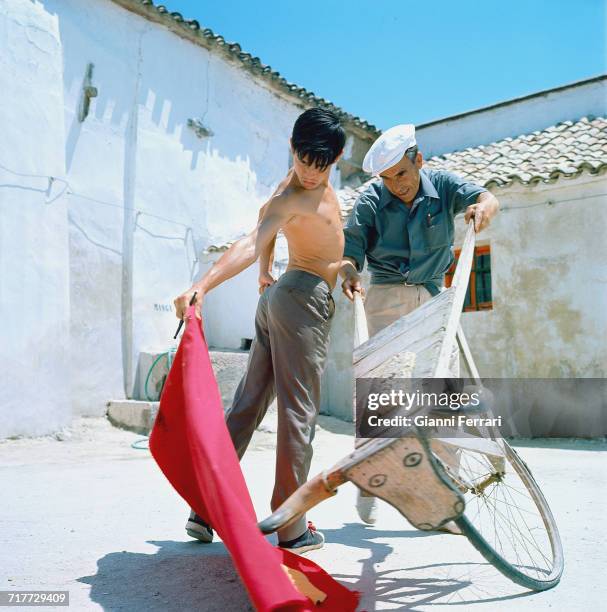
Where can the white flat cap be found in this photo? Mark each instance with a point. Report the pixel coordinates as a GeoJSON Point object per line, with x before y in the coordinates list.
{"type": "Point", "coordinates": [389, 148]}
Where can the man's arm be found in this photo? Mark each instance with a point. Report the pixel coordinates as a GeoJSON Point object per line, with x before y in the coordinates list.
{"type": "Point", "coordinates": [351, 278]}
{"type": "Point", "coordinates": [468, 197]}
{"type": "Point", "coordinates": [483, 210]}
{"type": "Point", "coordinates": [356, 237]}
{"type": "Point", "coordinates": [266, 260]}
{"type": "Point", "coordinates": [238, 257]}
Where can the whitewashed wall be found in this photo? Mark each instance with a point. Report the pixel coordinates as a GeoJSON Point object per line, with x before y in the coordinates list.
{"type": "Point", "coordinates": [145, 196]}
{"type": "Point", "coordinates": [174, 192]}
{"type": "Point", "coordinates": [163, 193]}
{"type": "Point", "coordinates": [34, 292]}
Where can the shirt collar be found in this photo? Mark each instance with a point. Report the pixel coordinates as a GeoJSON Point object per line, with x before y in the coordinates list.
{"type": "Point", "coordinates": [426, 189]}
{"type": "Point", "coordinates": [385, 197]}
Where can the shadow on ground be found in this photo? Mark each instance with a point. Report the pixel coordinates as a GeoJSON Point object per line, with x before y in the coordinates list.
{"type": "Point", "coordinates": [179, 576]}
{"type": "Point", "coordinates": [409, 588]}
{"type": "Point", "coordinates": [191, 576]}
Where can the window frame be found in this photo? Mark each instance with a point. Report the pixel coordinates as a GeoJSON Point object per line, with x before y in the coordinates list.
{"type": "Point", "coordinates": [473, 305]}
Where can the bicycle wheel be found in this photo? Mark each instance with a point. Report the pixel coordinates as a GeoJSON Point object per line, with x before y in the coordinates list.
{"type": "Point", "coordinates": [507, 518]}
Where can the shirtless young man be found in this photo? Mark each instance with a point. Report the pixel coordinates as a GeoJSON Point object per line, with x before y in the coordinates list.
{"type": "Point", "coordinates": [293, 316]}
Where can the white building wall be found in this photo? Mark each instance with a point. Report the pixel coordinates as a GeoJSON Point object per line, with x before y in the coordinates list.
{"type": "Point", "coordinates": [163, 194]}
{"type": "Point", "coordinates": [34, 292]}
{"type": "Point", "coordinates": [98, 173]}
{"type": "Point", "coordinates": [549, 283]}
{"type": "Point", "coordinates": [229, 310]}
{"type": "Point", "coordinates": [513, 118]}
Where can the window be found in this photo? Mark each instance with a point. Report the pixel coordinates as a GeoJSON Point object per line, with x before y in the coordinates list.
{"type": "Point", "coordinates": [478, 296]}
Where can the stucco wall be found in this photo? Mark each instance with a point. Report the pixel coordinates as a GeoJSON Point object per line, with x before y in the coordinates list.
{"type": "Point", "coordinates": [549, 284]}
{"type": "Point", "coordinates": [34, 292]}
{"type": "Point", "coordinates": [163, 193]}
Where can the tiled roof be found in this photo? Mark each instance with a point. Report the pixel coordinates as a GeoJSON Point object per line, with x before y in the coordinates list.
{"type": "Point", "coordinates": [206, 37]}
{"type": "Point", "coordinates": [564, 150]}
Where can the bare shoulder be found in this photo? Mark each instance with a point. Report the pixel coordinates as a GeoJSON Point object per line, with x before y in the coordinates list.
{"type": "Point", "coordinates": [331, 194]}
{"type": "Point", "coordinates": [313, 197]}
{"type": "Point", "coordinates": [281, 204]}
{"type": "Point", "coordinates": [292, 196]}
{"type": "Point", "coordinates": [278, 197]}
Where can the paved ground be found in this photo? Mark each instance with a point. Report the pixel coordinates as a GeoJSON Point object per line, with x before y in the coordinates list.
{"type": "Point", "coordinates": [92, 515]}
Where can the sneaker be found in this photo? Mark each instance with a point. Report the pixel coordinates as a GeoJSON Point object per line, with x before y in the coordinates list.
{"type": "Point", "coordinates": [198, 529]}
{"type": "Point", "coordinates": [366, 506]}
{"type": "Point", "coordinates": [309, 540]}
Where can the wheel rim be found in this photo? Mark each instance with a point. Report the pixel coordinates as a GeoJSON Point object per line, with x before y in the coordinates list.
{"type": "Point", "coordinates": [505, 507]}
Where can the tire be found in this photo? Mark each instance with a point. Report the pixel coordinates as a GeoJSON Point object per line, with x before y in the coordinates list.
{"type": "Point", "coordinates": [524, 575]}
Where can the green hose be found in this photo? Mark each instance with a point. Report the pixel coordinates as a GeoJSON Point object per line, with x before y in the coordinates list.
{"type": "Point", "coordinates": [147, 378]}
{"type": "Point", "coordinates": [143, 443]}
{"type": "Point", "coordinates": [169, 355]}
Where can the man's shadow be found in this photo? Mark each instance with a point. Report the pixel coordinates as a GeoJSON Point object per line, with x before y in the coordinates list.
{"type": "Point", "coordinates": [179, 576]}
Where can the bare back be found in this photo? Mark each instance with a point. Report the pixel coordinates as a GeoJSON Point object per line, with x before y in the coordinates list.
{"type": "Point", "coordinates": [314, 232]}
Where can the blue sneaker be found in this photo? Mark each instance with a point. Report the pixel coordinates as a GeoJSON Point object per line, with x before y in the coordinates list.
{"type": "Point", "coordinates": [309, 540]}
{"type": "Point", "coordinates": [198, 529]}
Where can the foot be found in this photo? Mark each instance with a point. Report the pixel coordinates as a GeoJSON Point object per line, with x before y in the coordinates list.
{"type": "Point", "coordinates": [309, 540]}
{"type": "Point", "coordinates": [198, 529]}
{"type": "Point", "coordinates": [366, 506]}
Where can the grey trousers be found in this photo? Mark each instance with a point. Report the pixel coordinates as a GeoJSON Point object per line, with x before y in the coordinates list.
{"type": "Point", "coordinates": [286, 362]}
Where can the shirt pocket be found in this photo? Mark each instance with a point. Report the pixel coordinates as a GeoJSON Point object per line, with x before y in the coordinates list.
{"type": "Point", "coordinates": [435, 226]}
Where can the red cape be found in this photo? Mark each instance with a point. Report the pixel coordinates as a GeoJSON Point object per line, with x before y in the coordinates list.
{"type": "Point", "coordinates": [192, 446]}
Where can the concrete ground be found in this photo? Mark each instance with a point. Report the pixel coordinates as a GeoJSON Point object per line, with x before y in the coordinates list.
{"type": "Point", "coordinates": [89, 514]}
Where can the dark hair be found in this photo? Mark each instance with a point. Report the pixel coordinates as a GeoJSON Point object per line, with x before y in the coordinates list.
{"type": "Point", "coordinates": [411, 153]}
{"type": "Point", "coordinates": [318, 137]}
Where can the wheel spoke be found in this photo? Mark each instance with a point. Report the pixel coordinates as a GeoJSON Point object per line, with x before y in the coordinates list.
{"type": "Point", "coordinates": [504, 505]}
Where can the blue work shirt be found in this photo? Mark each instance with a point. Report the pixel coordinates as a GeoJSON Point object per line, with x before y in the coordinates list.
{"type": "Point", "coordinates": [402, 244]}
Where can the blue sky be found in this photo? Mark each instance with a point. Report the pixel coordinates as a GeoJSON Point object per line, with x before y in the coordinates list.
{"type": "Point", "coordinates": [398, 61]}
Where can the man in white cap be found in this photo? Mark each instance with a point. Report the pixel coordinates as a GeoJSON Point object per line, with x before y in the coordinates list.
{"type": "Point", "coordinates": [403, 226]}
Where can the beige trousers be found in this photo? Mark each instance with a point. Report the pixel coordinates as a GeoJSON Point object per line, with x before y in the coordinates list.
{"type": "Point", "coordinates": [387, 303]}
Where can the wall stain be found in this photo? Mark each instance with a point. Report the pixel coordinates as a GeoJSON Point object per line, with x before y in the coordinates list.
{"type": "Point", "coordinates": [567, 321]}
